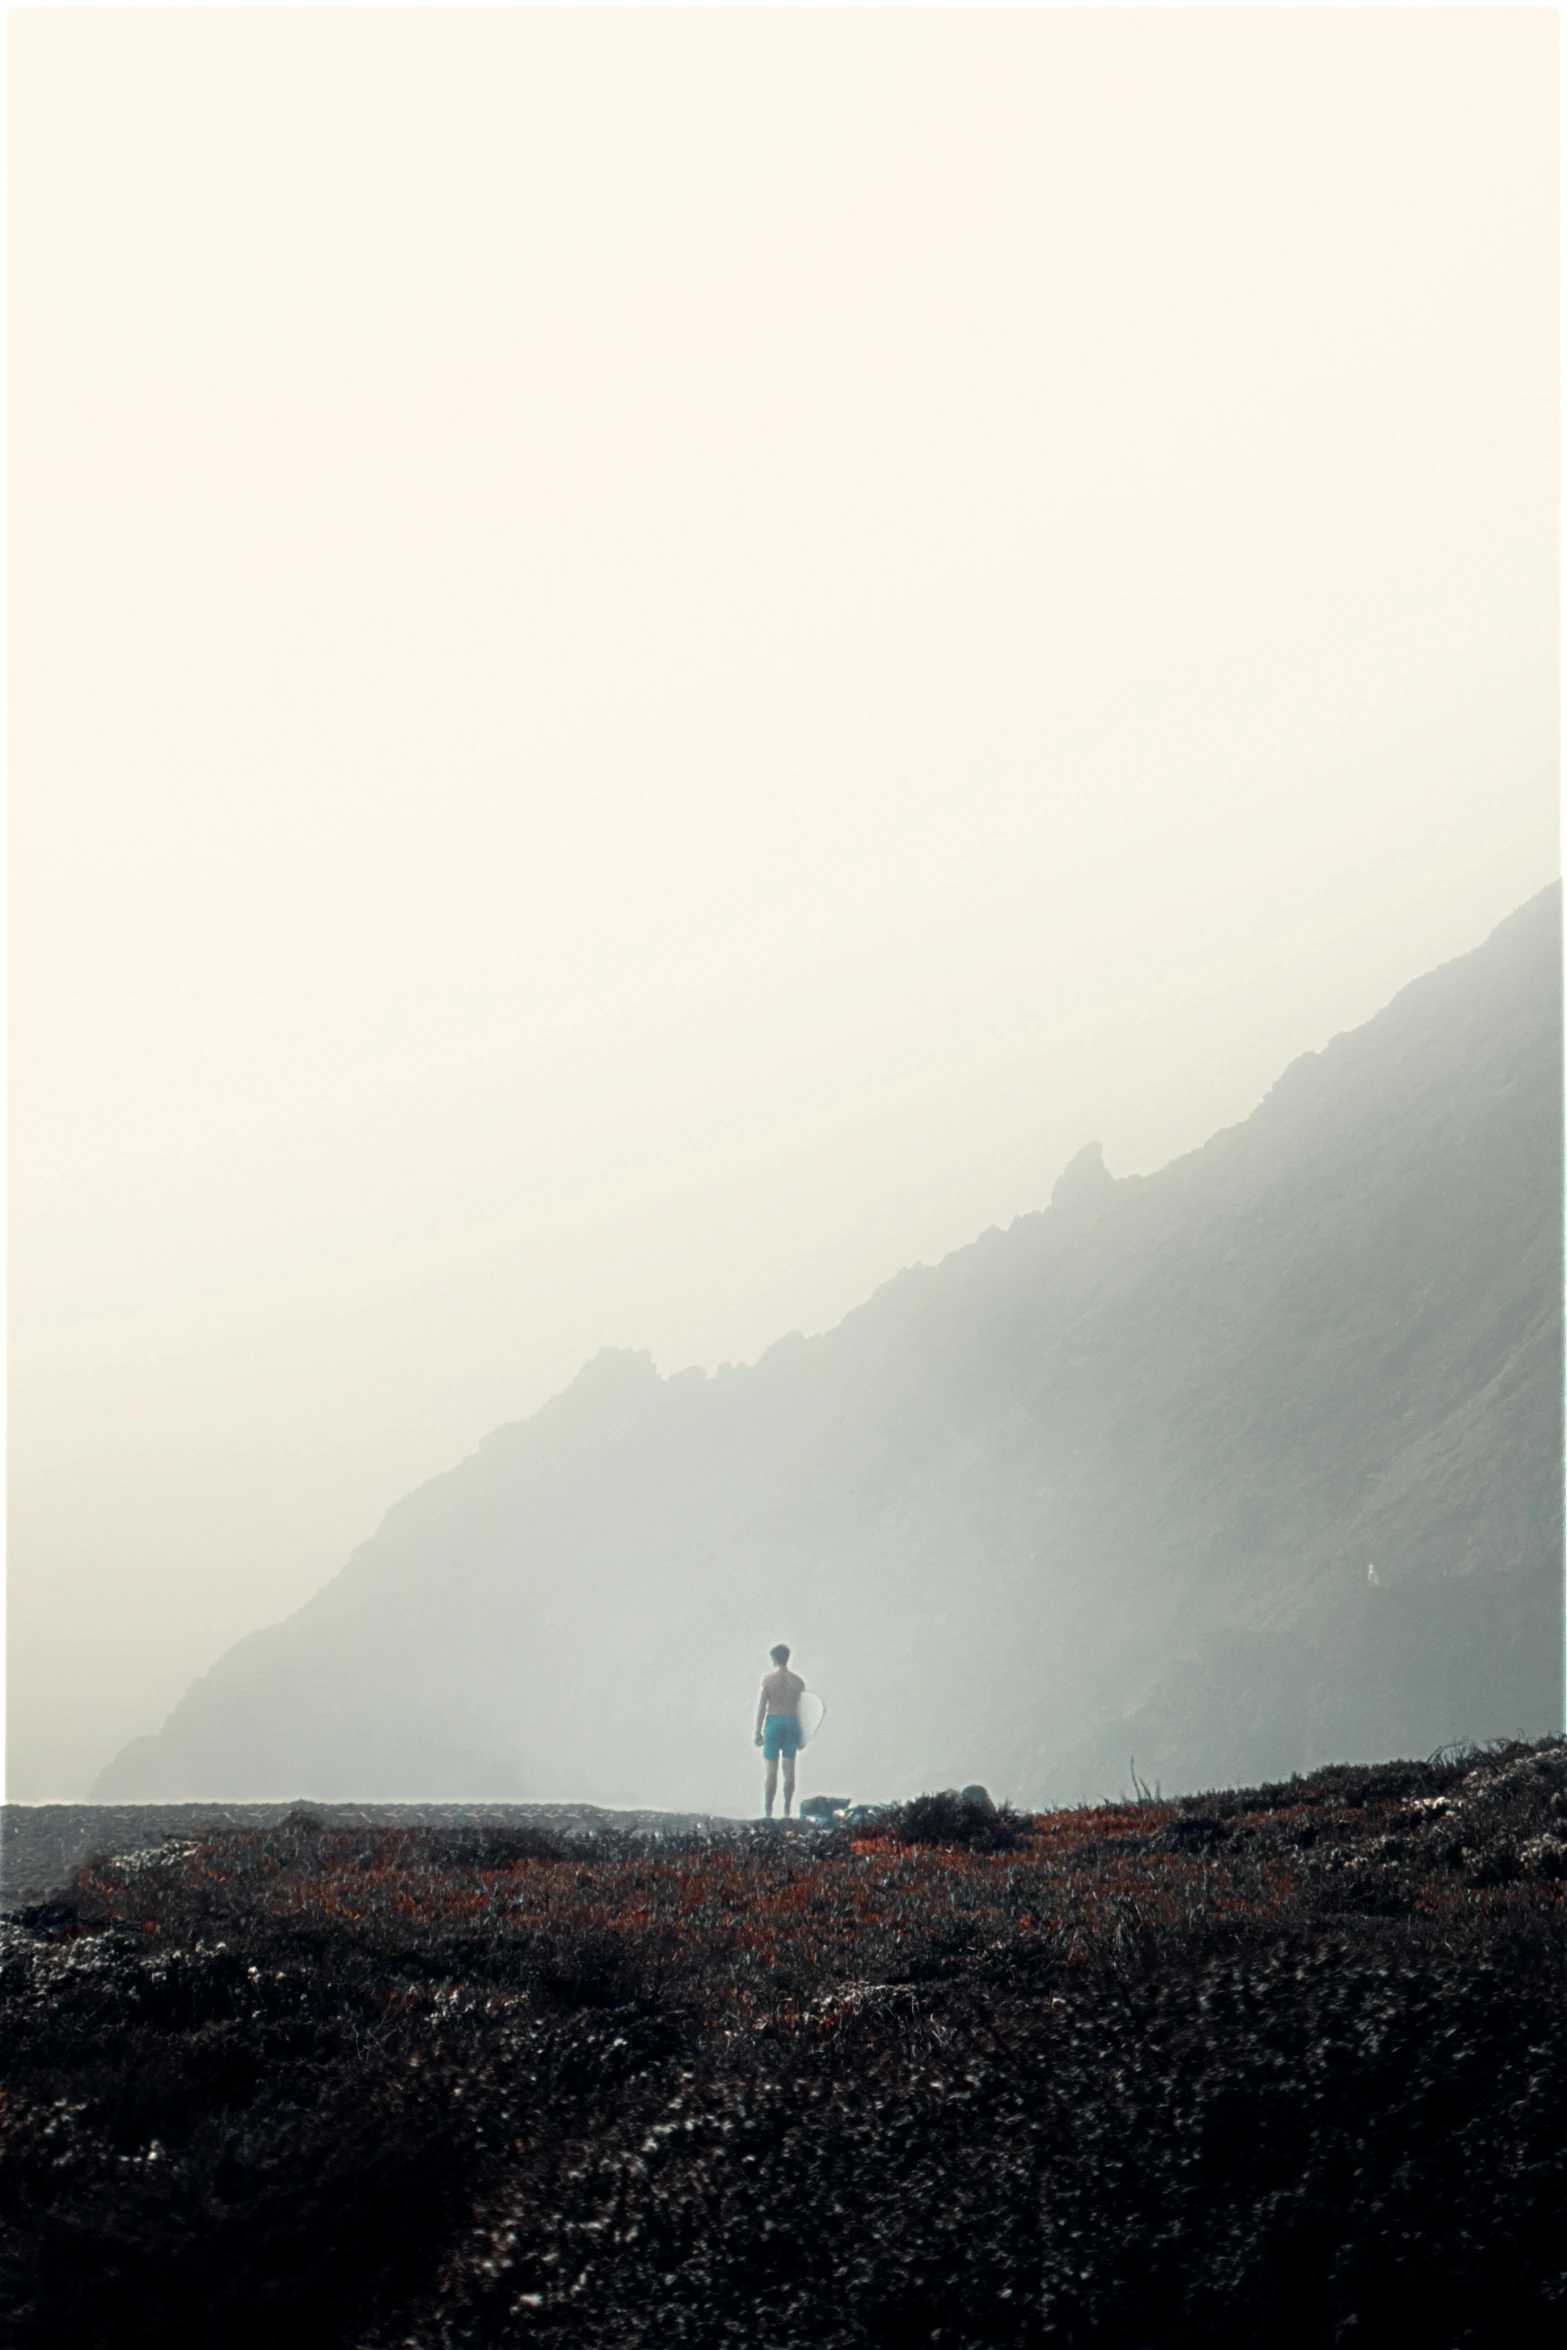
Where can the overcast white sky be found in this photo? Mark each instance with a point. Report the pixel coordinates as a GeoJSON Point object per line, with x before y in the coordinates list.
{"type": "Point", "coordinates": [655, 660]}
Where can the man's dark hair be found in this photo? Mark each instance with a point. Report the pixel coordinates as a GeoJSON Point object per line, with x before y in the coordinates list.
{"type": "Point", "coordinates": [780, 1654]}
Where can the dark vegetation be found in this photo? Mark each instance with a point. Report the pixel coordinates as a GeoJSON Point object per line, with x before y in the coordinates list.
{"type": "Point", "coordinates": [1282, 2067]}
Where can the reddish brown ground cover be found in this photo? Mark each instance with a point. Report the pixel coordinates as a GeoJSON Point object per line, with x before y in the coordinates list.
{"type": "Point", "coordinates": [1284, 2066]}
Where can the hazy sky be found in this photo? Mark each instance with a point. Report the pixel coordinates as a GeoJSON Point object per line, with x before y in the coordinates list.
{"type": "Point", "coordinates": [655, 660]}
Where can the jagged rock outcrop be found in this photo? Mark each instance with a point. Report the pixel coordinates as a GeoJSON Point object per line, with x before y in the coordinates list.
{"type": "Point", "coordinates": [1082, 1189]}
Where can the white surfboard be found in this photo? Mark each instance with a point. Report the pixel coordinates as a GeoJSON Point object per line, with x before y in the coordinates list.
{"type": "Point", "coordinates": [809, 1714]}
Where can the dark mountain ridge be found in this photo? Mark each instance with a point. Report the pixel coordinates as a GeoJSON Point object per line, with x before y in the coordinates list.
{"type": "Point", "coordinates": [1109, 1482]}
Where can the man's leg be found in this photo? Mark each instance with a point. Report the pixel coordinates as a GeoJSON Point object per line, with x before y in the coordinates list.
{"type": "Point", "coordinates": [772, 1783]}
{"type": "Point", "coordinates": [788, 1785]}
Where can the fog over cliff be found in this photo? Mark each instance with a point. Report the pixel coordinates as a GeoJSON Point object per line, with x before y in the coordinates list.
{"type": "Point", "coordinates": [1236, 1467]}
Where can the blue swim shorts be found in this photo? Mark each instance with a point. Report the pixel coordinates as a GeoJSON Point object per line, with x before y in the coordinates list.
{"type": "Point", "coordinates": [781, 1736]}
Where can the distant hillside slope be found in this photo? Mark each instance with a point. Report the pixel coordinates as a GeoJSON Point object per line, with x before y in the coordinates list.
{"type": "Point", "coordinates": [1107, 1483]}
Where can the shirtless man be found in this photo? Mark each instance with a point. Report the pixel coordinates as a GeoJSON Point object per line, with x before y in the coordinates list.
{"type": "Point", "coordinates": [778, 1725]}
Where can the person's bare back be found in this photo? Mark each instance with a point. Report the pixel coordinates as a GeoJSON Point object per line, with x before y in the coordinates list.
{"type": "Point", "coordinates": [781, 1691]}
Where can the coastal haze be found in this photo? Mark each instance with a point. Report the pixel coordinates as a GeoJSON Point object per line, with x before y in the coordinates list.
{"type": "Point", "coordinates": [655, 661]}
{"type": "Point", "coordinates": [1242, 1467]}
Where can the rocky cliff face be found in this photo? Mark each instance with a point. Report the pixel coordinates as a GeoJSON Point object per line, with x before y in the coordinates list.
{"type": "Point", "coordinates": [1108, 1483]}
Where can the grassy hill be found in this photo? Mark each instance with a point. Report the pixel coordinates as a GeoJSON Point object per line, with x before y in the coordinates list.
{"type": "Point", "coordinates": [1281, 2066]}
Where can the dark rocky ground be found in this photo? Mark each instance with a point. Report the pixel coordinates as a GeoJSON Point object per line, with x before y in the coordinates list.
{"type": "Point", "coordinates": [1285, 2067]}
{"type": "Point", "coordinates": [43, 1844]}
